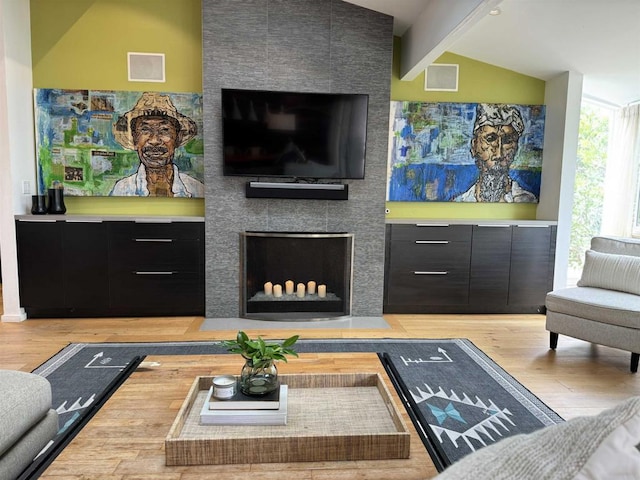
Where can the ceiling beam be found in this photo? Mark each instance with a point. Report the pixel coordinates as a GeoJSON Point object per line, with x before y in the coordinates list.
{"type": "Point", "coordinates": [439, 25]}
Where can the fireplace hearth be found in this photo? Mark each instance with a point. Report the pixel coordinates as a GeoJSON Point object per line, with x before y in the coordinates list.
{"type": "Point", "coordinates": [295, 275]}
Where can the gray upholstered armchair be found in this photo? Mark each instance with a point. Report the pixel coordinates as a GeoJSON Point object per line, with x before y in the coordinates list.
{"type": "Point", "coordinates": [605, 306]}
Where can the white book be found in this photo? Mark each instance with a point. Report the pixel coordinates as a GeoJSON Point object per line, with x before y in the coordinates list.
{"type": "Point", "coordinates": [245, 417]}
{"type": "Point", "coordinates": [240, 401]}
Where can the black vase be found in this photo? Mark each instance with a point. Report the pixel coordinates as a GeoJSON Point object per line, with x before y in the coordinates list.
{"type": "Point", "coordinates": [56, 201]}
{"type": "Point", "coordinates": [38, 204]}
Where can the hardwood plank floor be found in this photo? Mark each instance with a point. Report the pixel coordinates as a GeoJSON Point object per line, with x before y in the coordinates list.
{"type": "Point", "coordinates": [577, 379]}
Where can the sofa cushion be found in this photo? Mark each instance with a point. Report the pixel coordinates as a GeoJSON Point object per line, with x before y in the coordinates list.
{"type": "Point", "coordinates": [597, 304]}
{"type": "Point", "coordinates": [25, 398]}
{"type": "Point", "coordinates": [599, 447]}
{"type": "Point", "coordinates": [611, 271]}
{"type": "Point", "coordinates": [22, 453]}
{"type": "Point", "coordinates": [617, 245]}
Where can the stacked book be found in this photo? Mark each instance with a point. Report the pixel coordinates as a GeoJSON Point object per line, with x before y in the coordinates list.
{"type": "Point", "coordinates": [241, 409]}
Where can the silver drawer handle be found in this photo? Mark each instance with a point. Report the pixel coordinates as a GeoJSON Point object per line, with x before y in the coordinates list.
{"type": "Point", "coordinates": [430, 273]}
{"type": "Point", "coordinates": [155, 273]}
{"type": "Point", "coordinates": [433, 242]}
{"type": "Point", "coordinates": [432, 224]}
{"type": "Point", "coordinates": [73, 220]}
{"type": "Point", "coordinates": [496, 225]}
{"type": "Point", "coordinates": [161, 240]}
{"type": "Point", "coordinates": [39, 220]}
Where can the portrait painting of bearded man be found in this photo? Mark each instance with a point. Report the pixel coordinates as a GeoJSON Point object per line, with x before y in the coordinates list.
{"type": "Point", "coordinates": [466, 152]}
{"type": "Point", "coordinates": [496, 133]}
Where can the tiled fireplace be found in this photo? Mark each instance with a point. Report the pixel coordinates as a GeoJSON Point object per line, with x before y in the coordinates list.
{"type": "Point", "coordinates": [295, 275]}
{"type": "Point", "coordinates": [249, 45]}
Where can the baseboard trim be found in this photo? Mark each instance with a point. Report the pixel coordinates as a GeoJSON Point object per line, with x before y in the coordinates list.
{"type": "Point", "coordinates": [21, 316]}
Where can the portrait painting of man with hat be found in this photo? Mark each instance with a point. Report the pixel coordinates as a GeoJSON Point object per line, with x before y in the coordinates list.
{"type": "Point", "coordinates": [155, 129]}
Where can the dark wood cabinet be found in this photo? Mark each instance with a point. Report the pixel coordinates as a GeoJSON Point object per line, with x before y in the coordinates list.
{"type": "Point", "coordinates": [428, 265]}
{"type": "Point", "coordinates": [73, 268]}
{"type": "Point", "coordinates": [482, 268]}
{"type": "Point", "coordinates": [490, 265]}
{"type": "Point", "coordinates": [532, 259]}
{"type": "Point", "coordinates": [85, 266]}
{"type": "Point", "coordinates": [157, 267]}
{"type": "Point", "coordinates": [40, 264]}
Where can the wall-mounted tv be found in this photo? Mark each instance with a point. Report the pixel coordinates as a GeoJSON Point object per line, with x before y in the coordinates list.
{"type": "Point", "coordinates": [294, 134]}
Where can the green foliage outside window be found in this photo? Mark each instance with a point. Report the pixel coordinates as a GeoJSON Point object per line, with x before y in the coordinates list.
{"type": "Point", "coordinates": [588, 194]}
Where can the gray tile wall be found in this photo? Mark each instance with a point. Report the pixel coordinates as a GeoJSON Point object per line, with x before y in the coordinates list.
{"type": "Point", "coordinates": [301, 45]}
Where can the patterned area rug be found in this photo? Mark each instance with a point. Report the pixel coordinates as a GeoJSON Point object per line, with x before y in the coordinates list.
{"type": "Point", "coordinates": [458, 398]}
{"type": "Point", "coordinates": [462, 399]}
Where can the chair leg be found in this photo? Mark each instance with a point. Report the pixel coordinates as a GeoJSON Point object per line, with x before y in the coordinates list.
{"type": "Point", "coordinates": [634, 362]}
{"type": "Point", "coordinates": [553, 340]}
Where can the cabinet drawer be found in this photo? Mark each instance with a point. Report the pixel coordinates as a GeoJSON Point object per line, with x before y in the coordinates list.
{"type": "Point", "coordinates": [153, 291]}
{"type": "Point", "coordinates": [177, 230]}
{"type": "Point", "coordinates": [424, 255]}
{"type": "Point", "coordinates": [146, 254]}
{"type": "Point", "coordinates": [452, 233]}
{"type": "Point", "coordinates": [429, 288]}
{"type": "Point", "coordinates": [145, 247]}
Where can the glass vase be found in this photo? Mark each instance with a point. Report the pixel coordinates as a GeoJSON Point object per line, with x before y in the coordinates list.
{"type": "Point", "coordinates": [258, 380]}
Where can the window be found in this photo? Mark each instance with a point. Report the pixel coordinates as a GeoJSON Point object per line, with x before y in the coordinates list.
{"type": "Point", "coordinates": [621, 187]}
{"type": "Point", "coordinates": [589, 188]}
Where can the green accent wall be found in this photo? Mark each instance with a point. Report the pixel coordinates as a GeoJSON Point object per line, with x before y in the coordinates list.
{"type": "Point", "coordinates": [477, 82]}
{"type": "Point", "coordinates": [84, 44]}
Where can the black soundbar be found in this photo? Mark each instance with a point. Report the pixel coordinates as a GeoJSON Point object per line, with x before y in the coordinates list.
{"type": "Point", "coordinates": [309, 191]}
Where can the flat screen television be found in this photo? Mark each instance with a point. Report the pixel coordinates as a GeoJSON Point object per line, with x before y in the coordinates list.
{"type": "Point", "coordinates": [293, 134]}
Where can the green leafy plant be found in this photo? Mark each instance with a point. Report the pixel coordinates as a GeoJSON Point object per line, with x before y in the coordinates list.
{"type": "Point", "coordinates": [260, 352]}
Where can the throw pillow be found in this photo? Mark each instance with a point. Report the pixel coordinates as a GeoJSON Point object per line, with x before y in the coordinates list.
{"type": "Point", "coordinates": [611, 271]}
{"type": "Point", "coordinates": [598, 447]}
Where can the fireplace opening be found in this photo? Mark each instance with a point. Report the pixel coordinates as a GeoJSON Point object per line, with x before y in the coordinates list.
{"type": "Point", "coordinates": [295, 276]}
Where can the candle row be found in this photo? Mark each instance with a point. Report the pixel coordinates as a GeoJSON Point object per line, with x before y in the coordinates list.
{"type": "Point", "coordinates": [276, 290]}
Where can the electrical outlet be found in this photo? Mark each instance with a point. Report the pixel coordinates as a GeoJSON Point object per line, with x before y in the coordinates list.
{"type": "Point", "coordinates": [26, 187]}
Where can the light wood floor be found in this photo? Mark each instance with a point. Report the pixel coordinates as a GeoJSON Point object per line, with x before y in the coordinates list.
{"type": "Point", "coordinates": [577, 379]}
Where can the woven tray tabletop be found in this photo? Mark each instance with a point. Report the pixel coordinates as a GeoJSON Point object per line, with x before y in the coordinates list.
{"type": "Point", "coordinates": [330, 417]}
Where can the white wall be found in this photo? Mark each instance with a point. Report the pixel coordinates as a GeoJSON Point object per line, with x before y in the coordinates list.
{"type": "Point", "coordinates": [17, 151]}
{"type": "Point", "coordinates": [563, 96]}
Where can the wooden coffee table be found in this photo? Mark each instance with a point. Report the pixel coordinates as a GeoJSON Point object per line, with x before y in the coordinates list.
{"type": "Point", "coordinates": [126, 438]}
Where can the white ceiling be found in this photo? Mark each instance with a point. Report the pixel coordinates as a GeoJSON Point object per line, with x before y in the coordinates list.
{"type": "Point", "coordinates": [599, 39]}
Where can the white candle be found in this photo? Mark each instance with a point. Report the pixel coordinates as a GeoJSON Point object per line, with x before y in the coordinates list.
{"type": "Point", "coordinates": [300, 290]}
{"type": "Point", "coordinates": [322, 291]}
{"type": "Point", "coordinates": [268, 288]}
{"type": "Point", "coordinates": [224, 386]}
{"type": "Point", "coordinates": [311, 287]}
{"type": "Point", "coordinates": [277, 290]}
{"type": "Point", "coordinates": [288, 287]}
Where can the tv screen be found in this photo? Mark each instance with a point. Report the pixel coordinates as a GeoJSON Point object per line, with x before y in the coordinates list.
{"type": "Point", "coordinates": [293, 134]}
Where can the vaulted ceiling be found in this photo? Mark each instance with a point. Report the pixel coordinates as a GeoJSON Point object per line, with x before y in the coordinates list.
{"type": "Point", "coordinates": [541, 38]}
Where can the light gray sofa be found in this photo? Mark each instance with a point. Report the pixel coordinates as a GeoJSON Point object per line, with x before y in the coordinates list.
{"type": "Point", "coordinates": [27, 421]}
{"type": "Point", "coordinates": [605, 306]}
